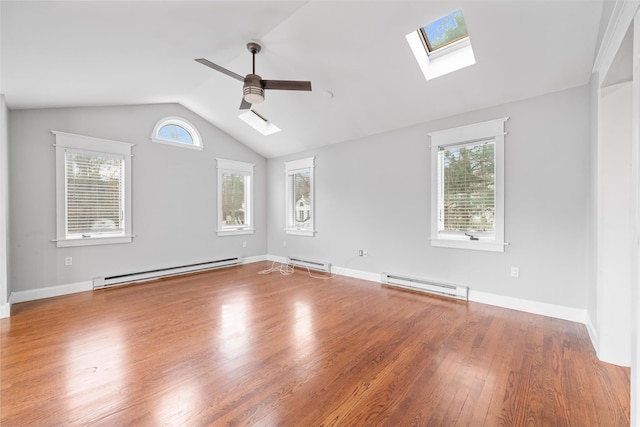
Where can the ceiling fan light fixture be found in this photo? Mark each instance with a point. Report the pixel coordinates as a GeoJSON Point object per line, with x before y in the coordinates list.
{"type": "Point", "coordinates": [253, 94]}
{"type": "Point", "coordinates": [252, 91]}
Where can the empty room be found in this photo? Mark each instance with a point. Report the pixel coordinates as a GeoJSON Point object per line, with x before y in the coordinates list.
{"type": "Point", "coordinates": [320, 213]}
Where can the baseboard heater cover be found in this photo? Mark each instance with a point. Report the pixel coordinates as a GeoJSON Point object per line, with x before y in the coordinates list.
{"type": "Point", "coordinates": [428, 286]}
{"type": "Point", "coordinates": [122, 279]}
{"type": "Point", "coordinates": [309, 263]}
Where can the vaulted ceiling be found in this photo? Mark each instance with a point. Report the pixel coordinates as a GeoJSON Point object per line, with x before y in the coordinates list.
{"type": "Point", "coordinates": [87, 53]}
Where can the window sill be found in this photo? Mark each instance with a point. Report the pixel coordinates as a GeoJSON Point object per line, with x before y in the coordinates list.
{"type": "Point", "coordinates": [236, 232]}
{"type": "Point", "coordinates": [92, 241]}
{"type": "Point", "coordinates": [477, 245]}
{"type": "Point", "coordinates": [296, 232]}
{"type": "Point", "coordinates": [178, 144]}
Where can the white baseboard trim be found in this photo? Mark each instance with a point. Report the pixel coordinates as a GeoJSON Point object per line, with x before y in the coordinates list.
{"type": "Point", "coordinates": [252, 259]}
{"type": "Point", "coordinates": [5, 310]}
{"type": "Point", "coordinates": [528, 306]}
{"type": "Point", "coordinates": [50, 291]}
{"type": "Point", "coordinates": [535, 307]}
{"type": "Point", "coordinates": [357, 274]}
{"type": "Point", "coordinates": [341, 271]}
{"type": "Point", "coordinates": [593, 334]}
{"type": "Point", "coordinates": [275, 258]}
{"type": "Point", "coordinates": [71, 288]}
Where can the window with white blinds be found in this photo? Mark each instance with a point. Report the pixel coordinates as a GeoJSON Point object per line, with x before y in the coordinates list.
{"type": "Point", "coordinates": [468, 186]}
{"type": "Point", "coordinates": [235, 197]}
{"type": "Point", "coordinates": [93, 182]}
{"type": "Point", "coordinates": [299, 197]}
{"type": "Point", "coordinates": [95, 190]}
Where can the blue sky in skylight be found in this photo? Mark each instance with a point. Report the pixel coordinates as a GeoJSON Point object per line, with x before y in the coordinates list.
{"type": "Point", "coordinates": [445, 30]}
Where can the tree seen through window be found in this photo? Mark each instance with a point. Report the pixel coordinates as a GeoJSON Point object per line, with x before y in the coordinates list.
{"type": "Point", "coordinates": [233, 199]}
{"type": "Point", "coordinates": [468, 186]}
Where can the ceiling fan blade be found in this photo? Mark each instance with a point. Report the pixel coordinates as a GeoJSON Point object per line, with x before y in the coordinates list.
{"type": "Point", "coordinates": [244, 105]}
{"type": "Point", "coordinates": [286, 85]}
{"type": "Point", "coordinates": [221, 69]}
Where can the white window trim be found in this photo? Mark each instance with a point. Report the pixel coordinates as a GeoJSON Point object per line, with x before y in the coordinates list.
{"type": "Point", "coordinates": [292, 168]}
{"type": "Point", "coordinates": [489, 130]}
{"type": "Point", "coordinates": [444, 60]}
{"type": "Point", "coordinates": [241, 168]}
{"type": "Point", "coordinates": [172, 120]}
{"type": "Point", "coordinates": [89, 144]}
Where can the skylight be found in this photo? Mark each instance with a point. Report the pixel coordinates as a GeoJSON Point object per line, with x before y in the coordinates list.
{"type": "Point", "coordinates": [258, 122]}
{"type": "Point", "coordinates": [442, 46]}
{"type": "Point", "coordinates": [444, 31]}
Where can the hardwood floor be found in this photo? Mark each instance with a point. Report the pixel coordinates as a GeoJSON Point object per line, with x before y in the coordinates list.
{"type": "Point", "coordinates": [232, 347]}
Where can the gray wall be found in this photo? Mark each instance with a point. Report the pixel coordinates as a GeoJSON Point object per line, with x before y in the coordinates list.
{"type": "Point", "coordinates": [5, 283]}
{"type": "Point", "coordinates": [174, 196]}
{"type": "Point", "coordinates": [373, 194]}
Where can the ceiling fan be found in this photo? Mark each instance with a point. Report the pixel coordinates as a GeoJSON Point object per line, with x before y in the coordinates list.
{"type": "Point", "coordinates": [254, 86]}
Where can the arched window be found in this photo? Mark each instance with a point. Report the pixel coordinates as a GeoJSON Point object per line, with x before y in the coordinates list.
{"type": "Point", "coordinates": [176, 131]}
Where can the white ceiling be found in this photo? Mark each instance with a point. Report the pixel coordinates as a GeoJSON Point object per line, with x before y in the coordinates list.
{"type": "Point", "coordinates": [87, 53]}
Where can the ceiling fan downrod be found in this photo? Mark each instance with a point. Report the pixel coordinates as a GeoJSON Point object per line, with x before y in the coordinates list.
{"type": "Point", "coordinates": [254, 48]}
{"type": "Point", "coordinates": [253, 92]}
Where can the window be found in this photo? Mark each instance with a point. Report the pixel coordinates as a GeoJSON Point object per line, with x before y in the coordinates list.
{"type": "Point", "coordinates": [442, 46]}
{"type": "Point", "coordinates": [299, 197]}
{"type": "Point", "coordinates": [444, 31]}
{"type": "Point", "coordinates": [93, 190]}
{"type": "Point", "coordinates": [467, 186]}
{"type": "Point", "coordinates": [259, 122]}
{"type": "Point", "coordinates": [178, 132]}
{"type": "Point", "coordinates": [235, 197]}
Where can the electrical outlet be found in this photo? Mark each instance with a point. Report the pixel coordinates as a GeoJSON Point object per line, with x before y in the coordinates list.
{"type": "Point", "coordinates": [284, 244]}
{"type": "Point", "coordinates": [515, 272]}
{"type": "Point", "coordinates": [244, 244]}
{"type": "Point", "coordinates": [68, 261]}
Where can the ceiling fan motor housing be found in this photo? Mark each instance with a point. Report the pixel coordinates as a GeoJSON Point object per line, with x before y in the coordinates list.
{"type": "Point", "coordinates": [253, 91]}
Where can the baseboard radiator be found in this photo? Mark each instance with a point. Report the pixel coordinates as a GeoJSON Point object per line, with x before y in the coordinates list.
{"type": "Point", "coordinates": [309, 263]}
{"type": "Point", "coordinates": [427, 286]}
{"type": "Point", "coordinates": [141, 276]}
